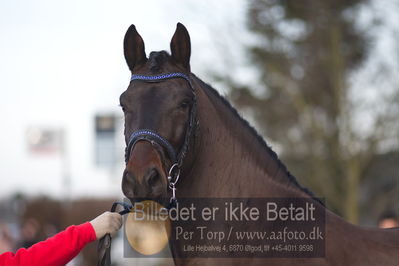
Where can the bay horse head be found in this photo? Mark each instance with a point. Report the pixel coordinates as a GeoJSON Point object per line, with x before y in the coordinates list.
{"type": "Point", "coordinates": [159, 112]}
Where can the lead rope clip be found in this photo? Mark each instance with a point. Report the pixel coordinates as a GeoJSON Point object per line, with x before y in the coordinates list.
{"type": "Point", "coordinates": [173, 181]}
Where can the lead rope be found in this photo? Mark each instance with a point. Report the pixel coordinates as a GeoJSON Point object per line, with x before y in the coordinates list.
{"type": "Point", "coordinates": [104, 245]}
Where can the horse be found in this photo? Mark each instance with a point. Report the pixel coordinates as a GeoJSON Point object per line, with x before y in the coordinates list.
{"type": "Point", "coordinates": [182, 134]}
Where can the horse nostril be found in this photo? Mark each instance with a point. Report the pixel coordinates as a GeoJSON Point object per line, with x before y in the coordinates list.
{"type": "Point", "coordinates": [153, 177]}
{"type": "Point", "coordinates": [128, 184]}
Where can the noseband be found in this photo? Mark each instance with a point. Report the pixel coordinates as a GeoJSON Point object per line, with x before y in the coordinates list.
{"type": "Point", "coordinates": [176, 157]}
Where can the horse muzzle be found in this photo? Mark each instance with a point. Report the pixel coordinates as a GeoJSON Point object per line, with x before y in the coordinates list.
{"type": "Point", "coordinates": [144, 176]}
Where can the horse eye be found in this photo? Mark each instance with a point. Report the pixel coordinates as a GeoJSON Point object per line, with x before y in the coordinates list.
{"type": "Point", "coordinates": [123, 108]}
{"type": "Point", "coordinates": [184, 104]}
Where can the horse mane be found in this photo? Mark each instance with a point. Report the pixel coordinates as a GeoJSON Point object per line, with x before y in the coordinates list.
{"type": "Point", "coordinates": [292, 179]}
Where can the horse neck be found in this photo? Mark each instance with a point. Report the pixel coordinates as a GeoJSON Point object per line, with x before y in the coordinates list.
{"type": "Point", "coordinates": [231, 160]}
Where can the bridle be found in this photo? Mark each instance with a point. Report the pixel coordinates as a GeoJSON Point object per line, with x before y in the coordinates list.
{"type": "Point", "coordinates": [153, 137]}
{"type": "Point", "coordinates": [176, 158]}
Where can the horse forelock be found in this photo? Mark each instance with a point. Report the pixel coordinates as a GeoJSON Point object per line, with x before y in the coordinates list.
{"type": "Point", "coordinates": [157, 61]}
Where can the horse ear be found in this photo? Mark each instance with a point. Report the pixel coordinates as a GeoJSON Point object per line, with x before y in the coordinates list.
{"type": "Point", "coordinates": [180, 46]}
{"type": "Point", "coordinates": [133, 46]}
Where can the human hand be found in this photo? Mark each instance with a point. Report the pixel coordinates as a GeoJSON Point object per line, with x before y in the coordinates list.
{"type": "Point", "coordinates": [106, 223]}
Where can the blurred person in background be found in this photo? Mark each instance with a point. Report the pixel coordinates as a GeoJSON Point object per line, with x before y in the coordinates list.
{"type": "Point", "coordinates": [6, 239]}
{"type": "Point", "coordinates": [388, 220]}
{"type": "Point", "coordinates": [64, 246]}
{"type": "Point", "coordinates": [29, 233]}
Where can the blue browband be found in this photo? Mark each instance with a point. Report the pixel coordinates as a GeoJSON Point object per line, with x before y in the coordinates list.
{"type": "Point", "coordinates": [152, 136]}
{"type": "Point", "coordinates": [160, 77]}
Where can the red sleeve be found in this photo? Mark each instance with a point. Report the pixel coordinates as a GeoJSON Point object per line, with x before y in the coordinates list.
{"type": "Point", "coordinates": [56, 250]}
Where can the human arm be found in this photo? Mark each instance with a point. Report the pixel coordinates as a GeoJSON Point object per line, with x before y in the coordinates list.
{"type": "Point", "coordinates": [64, 246]}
